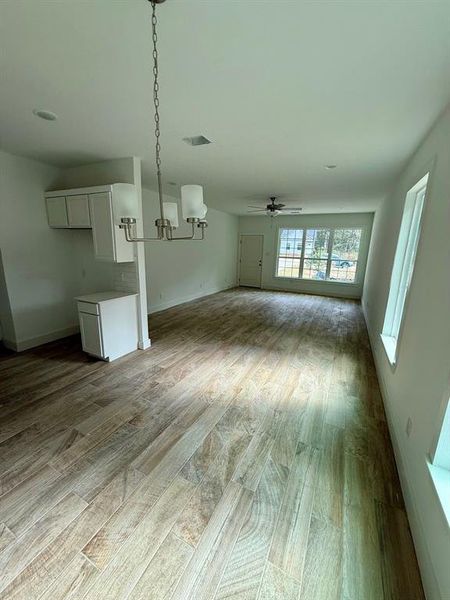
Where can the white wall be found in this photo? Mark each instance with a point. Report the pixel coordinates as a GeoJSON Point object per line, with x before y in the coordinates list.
{"type": "Point", "coordinates": [43, 268]}
{"type": "Point", "coordinates": [128, 277]}
{"type": "Point", "coordinates": [7, 329]}
{"type": "Point", "coordinates": [181, 271]}
{"type": "Point", "coordinates": [269, 228]}
{"type": "Point", "coordinates": [105, 172]}
{"type": "Point", "coordinates": [417, 386]}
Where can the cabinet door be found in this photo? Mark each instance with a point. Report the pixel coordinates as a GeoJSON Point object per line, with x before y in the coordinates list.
{"type": "Point", "coordinates": [91, 334]}
{"type": "Point", "coordinates": [57, 212]}
{"type": "Point", "coordinates": [102, 225]}
{"type": "Point", "coordinates": [78, 211]}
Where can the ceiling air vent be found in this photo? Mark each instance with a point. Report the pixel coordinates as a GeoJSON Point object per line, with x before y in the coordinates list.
{"type": "Point", "coordinates": [197, 140]}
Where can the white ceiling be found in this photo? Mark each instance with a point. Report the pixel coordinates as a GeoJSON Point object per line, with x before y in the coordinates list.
{"type": "Point", "coordinates": [281, 88]}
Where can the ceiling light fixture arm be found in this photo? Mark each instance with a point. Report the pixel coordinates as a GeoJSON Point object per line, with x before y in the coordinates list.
{"type": "Point", "coordinates": [127, 225]}
{"type": "Point", "coordinates": [200, 223]}
{"type": "Point", "coordinates": [165, 230]}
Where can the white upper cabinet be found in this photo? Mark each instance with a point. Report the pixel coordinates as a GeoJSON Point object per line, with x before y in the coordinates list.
{"type": "Point", "coordinates": [78, 211]}
{"type": "Point", "coordinates": [56, 212]}
{"type": "Point", "coordinates": [100, 208]}
{"type": "Point", "coordinates": [102, 226]}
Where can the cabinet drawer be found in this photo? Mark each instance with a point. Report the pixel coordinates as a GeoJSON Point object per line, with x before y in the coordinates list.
{"type": "Point", "coordinates": [88, 307]}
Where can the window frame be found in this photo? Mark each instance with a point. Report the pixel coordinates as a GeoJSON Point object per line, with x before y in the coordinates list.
{"type": "Point", "coordinates": [438, 461]}
{"type": "Point", "coordinates": [392, 318]}
{"type": "Point", "coordinates": [329, 259]}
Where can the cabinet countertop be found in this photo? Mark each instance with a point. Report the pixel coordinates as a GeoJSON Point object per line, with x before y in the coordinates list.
{"type": "Point", "coordinates": [99, 297]}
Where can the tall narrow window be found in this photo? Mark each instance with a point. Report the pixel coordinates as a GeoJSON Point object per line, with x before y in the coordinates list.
{"type": "Point", "coordinates": [344, 254]}
{"type": "Point", "coordinates": [403, 267]}
{"type": "Point", "coordinates": [440, 462]}
{"type": "Point", "coordinates": [316, 253]}
{"type": "Point", "coordinates": [289, 252]}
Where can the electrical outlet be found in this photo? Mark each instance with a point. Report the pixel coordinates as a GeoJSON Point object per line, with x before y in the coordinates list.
{"type": "Point", "coordinates": [409, 425]}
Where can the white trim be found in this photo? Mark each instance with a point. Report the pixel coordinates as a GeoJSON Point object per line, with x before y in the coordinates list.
{"type": "Point", "coordinates": [28, 343]}
{"type": "Point", "coordinates": [420, 539]}
{"type": "Point", "coordinates": [402, 277]}
{"type": "Point", "coordinates": [390, 347]}
{"type": "Point", "coordinates": [83, 190]}
{"type": "Point", "coordinates": [176, 301]}
{"type": "Point", "coordinates": [440, 448]}
{"type": "Point", "coordinates": [325, 293]}
{"type": "Point", "coordinates": [441, 483]}
{"type": "Point", "coordinates": [145, 344]}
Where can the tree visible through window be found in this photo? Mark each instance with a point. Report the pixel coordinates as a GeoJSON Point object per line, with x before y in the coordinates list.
{"type": "Point", "coordinates": [321, 253]}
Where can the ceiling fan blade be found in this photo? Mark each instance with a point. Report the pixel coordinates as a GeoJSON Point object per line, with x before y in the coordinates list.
{"type": "Point", "coordinates": [291, 208]}
{"type": "Point", "coordinates": [257, 210]}
{"type": "Point", "coordinates": [260, 207]}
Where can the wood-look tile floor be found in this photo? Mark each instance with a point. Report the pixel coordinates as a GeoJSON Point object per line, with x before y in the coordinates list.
{"type": "Point", "coordinates": [245, 456]}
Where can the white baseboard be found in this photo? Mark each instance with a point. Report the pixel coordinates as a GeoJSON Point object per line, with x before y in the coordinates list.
{"type": "Point", "coordinates": [312, 293]}
{"type": "Point", "coordinates": [182, 299]}
{"type": "Point", "coordinates": [429, 580]}
{"type": "Point", "coordinates": [144, 344]}
{"type": "Point", "coordinates": [28, 343]}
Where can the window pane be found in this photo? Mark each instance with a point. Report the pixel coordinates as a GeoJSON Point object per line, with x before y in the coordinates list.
{"type": "Point", "coordinates": [288, 267]}
{"type": "Point", "coordinates": [316, 245]}
{"type": "Point", "coordinates": [289, 252]}
{"type": "Point", "coordinates": [343, 270]}
{"type": "Point", "coordinates": [315, 268]}
{"type": "Point", "coordinates": [344, 254]}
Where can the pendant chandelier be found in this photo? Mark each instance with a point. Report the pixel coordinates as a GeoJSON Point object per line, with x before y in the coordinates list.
{"type": "Point", "coordinates": [192, 205]}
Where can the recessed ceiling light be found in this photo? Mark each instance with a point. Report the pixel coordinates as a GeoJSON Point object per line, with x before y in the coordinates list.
{"type": "Point", "coordinates": [196, 140]}
{"type": "Point", "coordinates": [330, 166]}
{"type": "Point", "coordinates": [47, 115]}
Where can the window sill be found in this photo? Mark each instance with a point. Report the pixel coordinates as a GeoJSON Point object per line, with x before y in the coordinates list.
{"type": "Point", "coordinates": [441, 481]}
{"type": "Point", "coordinates": [390, 347]}
{"type": "Point", "coordinates": [327, 281]}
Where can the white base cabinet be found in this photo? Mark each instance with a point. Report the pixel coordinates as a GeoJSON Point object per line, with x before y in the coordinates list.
{"type": "Point", "coordinates": [108, 324]}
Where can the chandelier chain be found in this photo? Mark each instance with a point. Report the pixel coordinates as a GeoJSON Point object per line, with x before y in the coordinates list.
{"type": "Point", "coordinates": [156, 90]}
{"type": "Point", "coordinates": [164, 226]}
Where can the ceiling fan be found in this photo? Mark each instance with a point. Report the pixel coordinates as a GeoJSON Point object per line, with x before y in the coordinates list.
{"type": "Point", "coordinates": [272, 209]}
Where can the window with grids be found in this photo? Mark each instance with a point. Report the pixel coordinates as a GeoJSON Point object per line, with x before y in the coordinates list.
{"type": "Point", "coordinates": [318, 253]}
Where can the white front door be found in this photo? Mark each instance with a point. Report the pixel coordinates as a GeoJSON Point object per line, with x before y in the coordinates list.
{"type": "Point", "coordinates": [250, 260]}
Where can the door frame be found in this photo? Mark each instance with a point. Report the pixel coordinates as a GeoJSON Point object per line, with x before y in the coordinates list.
{"type": "Point", "coordinates": [261, 235]}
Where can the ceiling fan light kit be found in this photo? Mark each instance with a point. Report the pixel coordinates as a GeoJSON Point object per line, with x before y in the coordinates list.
{"type": "Point", "coordinates": [273, 209]}
{"type": "Point", "coordinates": [193, 208]}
